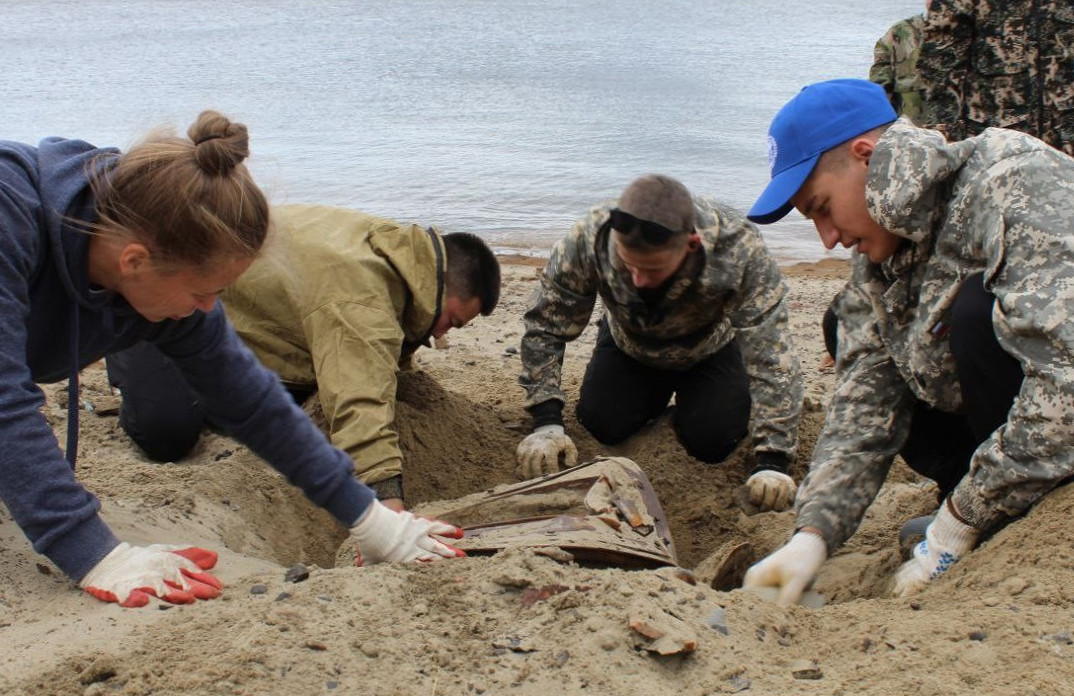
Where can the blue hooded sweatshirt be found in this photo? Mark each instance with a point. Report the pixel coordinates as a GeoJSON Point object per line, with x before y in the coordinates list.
{"type": "Point", "coordinates": [46, 304]}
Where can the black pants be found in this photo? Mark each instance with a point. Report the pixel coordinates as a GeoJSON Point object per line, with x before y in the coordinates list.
{"type": "Point", "coordinates": [940, 445]}
{"type": "Point", "coordinates": [620, 395]}
{"type": "Point", "coordinates": [159, 411]}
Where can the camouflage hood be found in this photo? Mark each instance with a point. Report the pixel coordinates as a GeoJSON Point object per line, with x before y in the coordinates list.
{"type": "Point", "coordinates": [910, 177]}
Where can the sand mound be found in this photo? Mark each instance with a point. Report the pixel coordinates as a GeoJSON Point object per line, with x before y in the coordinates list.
{"type": "Point", "coordinates": [521, 622]}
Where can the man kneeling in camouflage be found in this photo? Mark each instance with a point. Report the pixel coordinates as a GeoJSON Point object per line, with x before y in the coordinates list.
{"type": "Point", "coordinates": [955, 344]}
{"type": "Point", "coordinates": [695, 308]}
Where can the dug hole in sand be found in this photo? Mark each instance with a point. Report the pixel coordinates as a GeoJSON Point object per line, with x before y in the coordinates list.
{"type": "Point", "coordinates": [526, 621]}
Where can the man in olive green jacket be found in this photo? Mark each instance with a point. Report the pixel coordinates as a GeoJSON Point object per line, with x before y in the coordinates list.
{"type": "Point", "coordinates": [336, 303]}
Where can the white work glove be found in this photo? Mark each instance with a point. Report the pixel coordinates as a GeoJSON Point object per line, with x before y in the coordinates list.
{"type": "Point", "coordinates": [129, 574]}
{"type": "Point", "coordinates": [381, 535]}
{"type": "Point", "coordinates": [545, 451]}
{"type": "Point", "coordinates": [790, 568]}
{"type": "Point", "coordinates": [771, 490]}
{"type": "Point", "coordinates": [946, 541]}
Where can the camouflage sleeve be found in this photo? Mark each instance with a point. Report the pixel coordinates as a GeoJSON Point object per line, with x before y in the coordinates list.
{"type": "Point", "coordinates": [944, 63]}
{"type": "Point", "coordinates": [1031, 273]}
{"type": "Point", "coordinates": [559, 310]}
{"type": "Point", "coordinates": [882, 71]}
{"type": "Point", "coordinates": [762, 328]}
{"type": "Point", "coordinates": [867, 422]}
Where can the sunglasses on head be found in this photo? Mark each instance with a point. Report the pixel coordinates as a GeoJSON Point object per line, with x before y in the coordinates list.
{"type": "Point", "coordinates": [650, 232]}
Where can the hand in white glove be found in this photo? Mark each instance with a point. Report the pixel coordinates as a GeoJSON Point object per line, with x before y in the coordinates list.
{"type": "Point", "coordinates": [946, 540]}
{"type": "Point", "coordinates": [771, 490]}
{"type": "Point", "coordinates": [545, 451]}
{"type": "Point", "coordinates": [129, 574]}
{"type": "Point", "coordinates": [385, 535]}
{"type": "Point", "coordinates": [790, 568]}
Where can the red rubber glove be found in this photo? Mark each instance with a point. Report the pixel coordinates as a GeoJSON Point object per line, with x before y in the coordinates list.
{"type": "Point", "coordinates": [385, 535]}
{"type": "Point", "coordinates": [129, 575]}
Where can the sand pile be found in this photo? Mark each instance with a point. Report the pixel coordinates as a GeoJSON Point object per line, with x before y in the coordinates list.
{"type": "Point", "coordinates": [523, 622]}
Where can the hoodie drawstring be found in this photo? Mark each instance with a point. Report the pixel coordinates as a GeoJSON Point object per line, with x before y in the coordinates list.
{"type": "Point", "coordinates": [72, 392]}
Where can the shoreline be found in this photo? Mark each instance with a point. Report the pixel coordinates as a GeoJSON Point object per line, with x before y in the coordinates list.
{"type": "Point", "coordinates": [822, 267]}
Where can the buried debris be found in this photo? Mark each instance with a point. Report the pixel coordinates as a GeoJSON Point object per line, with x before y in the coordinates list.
{"type": "Point", "coordinates": [659, 632]}
{"type": "Point", "coordinates": [726, 567]}
{"type": "Point", "coordinates": [603, 511]}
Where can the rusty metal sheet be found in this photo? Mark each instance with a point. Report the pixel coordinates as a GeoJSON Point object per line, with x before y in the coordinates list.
{"type": "Point", "coordinates": [602, 511]}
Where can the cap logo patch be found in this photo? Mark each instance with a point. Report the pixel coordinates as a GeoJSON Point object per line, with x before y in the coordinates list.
{"type": "Point", "coordinates": [773, 153]}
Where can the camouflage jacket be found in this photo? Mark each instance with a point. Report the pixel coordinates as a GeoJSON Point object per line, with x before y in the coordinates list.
{"type": "Point", "coordinates": [731, 287]}
{"type": "Point", "coordinates": [1008, 64]}
{"type": "Point", "coordinates": [997, 204]}
{"type": "Point", "coordinates": [895, 67]}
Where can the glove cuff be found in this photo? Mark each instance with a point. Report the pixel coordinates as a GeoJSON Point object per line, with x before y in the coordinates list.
{"type": "Point", "coordinates": [547, 413]}
{"type": "Point", "coordinates": [106, 566]}
{"type": "Point", "coordinates": [949, 533]}
{"type": "Point", "coordinates": [809, 543]}
{"type": "Point", "coordinates": [370, 520]}
{"type": "Point", "coordinates": [771, 461]}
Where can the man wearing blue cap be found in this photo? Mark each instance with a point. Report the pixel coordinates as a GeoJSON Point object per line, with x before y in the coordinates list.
{"type": "Point", "coordinates": [955, 344]}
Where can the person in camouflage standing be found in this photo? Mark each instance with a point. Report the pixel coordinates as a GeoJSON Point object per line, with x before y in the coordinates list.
{"type": "Point", "coordinates": [695, 307]}
{"type": "Point", "coordinates": [955, 323]}
{"type": "Point", "coordinates": [895, 67]}
{"type": "Point", "coordinates": [1007, 64]}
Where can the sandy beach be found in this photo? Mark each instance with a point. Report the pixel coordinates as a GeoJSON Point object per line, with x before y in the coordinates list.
{"type": "Point", "coordinates": [520, 622]}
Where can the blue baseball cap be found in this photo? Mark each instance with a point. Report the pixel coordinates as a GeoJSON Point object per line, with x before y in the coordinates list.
{"type": "Point", "coordinates": [817, 119]}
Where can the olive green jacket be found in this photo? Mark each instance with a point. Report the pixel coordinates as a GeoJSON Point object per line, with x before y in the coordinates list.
{"type": "Point", "coordinates": [336, 301]}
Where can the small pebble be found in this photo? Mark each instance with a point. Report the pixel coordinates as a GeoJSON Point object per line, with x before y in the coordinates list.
{"type": "Point", "coordinates": [258, 589]}
{"type": "Point", "coordinates": [915, 605]}
{"type": "Point", "coordinates": [717, 621]}
{"type": "Point", "coordinates": [282, 596]}
{"type": "Point", "coordinates": [806, 669]}
{"type": "Point", "coordinates": [978, 635]}
{"type": "Point", "coordinates": [297, 573]}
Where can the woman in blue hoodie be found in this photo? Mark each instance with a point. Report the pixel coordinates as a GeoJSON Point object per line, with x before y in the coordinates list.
{"type": "Point", "coordinates": [100, 250]}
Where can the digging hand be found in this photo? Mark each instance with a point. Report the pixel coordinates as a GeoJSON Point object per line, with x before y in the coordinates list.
{"type": "Point", "coordinates": [545, 451]}
{"type": "Point", "coordinates": [791, 568]}
{"type": "Point", "coordinates": [129, 575]}
{"type": "Point", "coordinates": [381, 534]}
{"type": "Point", "coordinates": [946, 540]}
{"type": "Point", "coordinates": [771, 490]}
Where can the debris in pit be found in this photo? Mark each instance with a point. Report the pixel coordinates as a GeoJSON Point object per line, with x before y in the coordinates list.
{"type": "Point", "coordinates": [661, 633]}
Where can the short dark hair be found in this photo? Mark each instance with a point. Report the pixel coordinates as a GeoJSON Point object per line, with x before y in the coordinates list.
{"type": "Point", "coordinates": [472, 270]}
{"type": "Point", "coordinates": [654, 212]}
